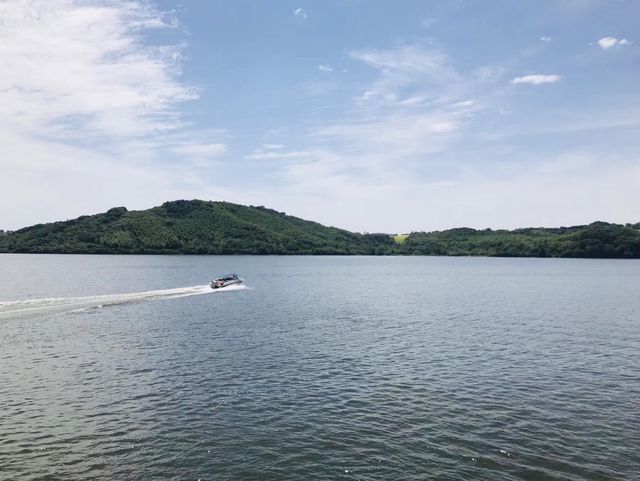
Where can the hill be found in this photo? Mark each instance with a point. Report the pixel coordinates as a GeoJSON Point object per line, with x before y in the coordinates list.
{"type": "Point", "coordinates": [596, 240]}
{"type": "Point", "coordinates": [192, 227]}
{"type": "Point", "coordinates": [201, 227]}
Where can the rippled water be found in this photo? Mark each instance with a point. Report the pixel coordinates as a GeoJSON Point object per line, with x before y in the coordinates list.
{"type": "Point", "coordinates": [358, 368]}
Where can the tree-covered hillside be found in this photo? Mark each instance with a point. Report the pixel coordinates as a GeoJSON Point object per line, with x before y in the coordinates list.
{"type": "Point", "coordinates": [199, 227]}
{"type": "Point", "coordinates": [599, 239]}
{"type": "Point", "coordinates": [192, 227]}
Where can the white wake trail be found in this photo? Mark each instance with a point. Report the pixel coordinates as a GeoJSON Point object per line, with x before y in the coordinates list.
{"type": "Point", "coordinates": [66, 304]}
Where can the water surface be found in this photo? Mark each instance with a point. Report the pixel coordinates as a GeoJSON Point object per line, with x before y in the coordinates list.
{"type": "Point", "coordinates": [362, 368]}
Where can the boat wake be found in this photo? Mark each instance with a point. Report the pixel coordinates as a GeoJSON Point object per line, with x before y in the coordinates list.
{"type": "Point", "coordinates": [50, 305]}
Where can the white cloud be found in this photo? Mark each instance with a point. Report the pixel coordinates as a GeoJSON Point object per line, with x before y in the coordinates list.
{"type": "Point", "coordinates": [608, 42]}
{"type": "Point", "coordinates": [394, 136]}
{"type": "Point", "coordinates": [325, 68]}
{"type": "Point", "coordinates": [568, 189]}
{"type": "Point", "coordinates": [408, 61]}
{"type": "Point", "coordinates": [90, 118]}
{"type": "Point", "coordinates": [82, 69]}
{"type": "Point", "coordinates": [298, 12]}
{"type": "Point", "coordinates": [417, 94]}
{"type": "Point", "coordinates": [403, 141]}
{"type": "Point", "coordinates": [411, 136]}
{"type": "Point", "coordinates": [415, 107]}
{"type": "Point", "coordinates": [46, 181]}
{"type": "Point", "coordinates": [411, 79]}
{"type": "Point", "coordinates": [88, 103]}
{"type": "Point", "coordinates": [536, 79]}
{"type": "Point", "coordinates": [545, 39]}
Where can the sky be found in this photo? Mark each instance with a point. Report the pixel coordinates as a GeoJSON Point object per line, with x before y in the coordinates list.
{"type": "Point", "coordinates": [373, 116]}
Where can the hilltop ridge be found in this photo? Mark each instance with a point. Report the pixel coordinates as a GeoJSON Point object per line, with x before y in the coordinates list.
{"type": "Point", "coordinates": [191, 227]}
{"type": "Point", "coordinates": [208, 227]}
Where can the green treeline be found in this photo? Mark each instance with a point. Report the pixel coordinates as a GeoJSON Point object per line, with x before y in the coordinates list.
{"type": "Point", "coordinates": [191, 227]}
{"type": "Point", "coordinates": [599, 239]}
{"type": "Point", "coordinates": [200, 227]}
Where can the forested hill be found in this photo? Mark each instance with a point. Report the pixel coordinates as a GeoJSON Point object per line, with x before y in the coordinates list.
{"type": "Point", "coordinates": [192, 227]}
{"type": "Point", "coordinates": [596, 240]}
{"type": "Point", "coordinates": [200, 227]}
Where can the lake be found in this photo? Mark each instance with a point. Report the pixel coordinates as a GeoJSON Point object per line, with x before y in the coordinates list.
{"type": "Point", "coordinates": [352, 368]}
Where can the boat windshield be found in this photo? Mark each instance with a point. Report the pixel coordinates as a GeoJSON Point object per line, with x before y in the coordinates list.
{"type": "Point", "coordinates": [228, 277]}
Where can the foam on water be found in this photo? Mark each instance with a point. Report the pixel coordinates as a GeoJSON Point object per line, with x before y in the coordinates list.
{"type": "Point", "coordinates": [67, 304]}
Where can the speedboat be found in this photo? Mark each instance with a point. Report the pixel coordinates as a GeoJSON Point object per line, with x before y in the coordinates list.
{"type": "Point", "coordinates": [225, 281]}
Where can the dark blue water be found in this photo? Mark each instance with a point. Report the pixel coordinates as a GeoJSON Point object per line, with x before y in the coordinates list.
{"type": "Point", "coordinates": [356, 368]}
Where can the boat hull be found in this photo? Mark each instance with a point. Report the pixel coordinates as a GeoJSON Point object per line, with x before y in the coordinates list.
{"type": "Point", "coordinates": [215, 285]}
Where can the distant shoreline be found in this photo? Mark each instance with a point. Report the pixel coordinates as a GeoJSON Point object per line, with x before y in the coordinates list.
{"type": "Point", "coordinates": [197, 227]}
{"type": "Point", "coordinates": [150, 254]}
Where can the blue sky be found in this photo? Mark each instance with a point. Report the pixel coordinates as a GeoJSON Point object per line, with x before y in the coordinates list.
{"type": "Point", "coordinates": [367, 115]}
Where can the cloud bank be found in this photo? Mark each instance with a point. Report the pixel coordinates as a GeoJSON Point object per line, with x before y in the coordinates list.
{"type": "Point", "coordinates": [77, 68]}
{"type": "Point", "coordinates": [414, 136]}
{"type": "Point", "coordinates": [89, 108]}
